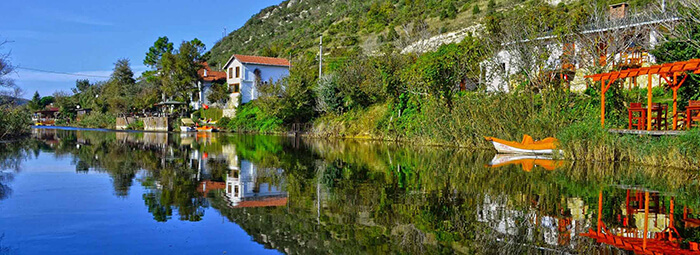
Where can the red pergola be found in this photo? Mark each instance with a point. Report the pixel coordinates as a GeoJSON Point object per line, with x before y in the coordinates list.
{"type": "Point", "coordinates": [673, 73]}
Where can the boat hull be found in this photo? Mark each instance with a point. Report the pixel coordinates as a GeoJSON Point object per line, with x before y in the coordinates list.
{"type": "Point", "coordinates": [507, 149]}
{"type": "Point", "coordinates": [187, 129]}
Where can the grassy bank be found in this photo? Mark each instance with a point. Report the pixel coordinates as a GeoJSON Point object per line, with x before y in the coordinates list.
{"type": "Point", "coordinates": [573, 118]}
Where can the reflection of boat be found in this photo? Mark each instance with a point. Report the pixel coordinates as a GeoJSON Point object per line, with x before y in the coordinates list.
{"type": "Point", "coordinates": [207, 129]}
{"type": "Point", "coordinates": [527, 161]}
{"type": "Point", "coordinates": [527, 146]}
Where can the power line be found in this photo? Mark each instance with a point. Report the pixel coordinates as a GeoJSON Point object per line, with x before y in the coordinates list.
{"type": "Point", "coordinates": [63, 73]}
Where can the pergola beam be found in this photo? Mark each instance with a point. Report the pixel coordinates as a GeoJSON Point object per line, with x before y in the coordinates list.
{"type": "Point", "coordinates": [664, 71]}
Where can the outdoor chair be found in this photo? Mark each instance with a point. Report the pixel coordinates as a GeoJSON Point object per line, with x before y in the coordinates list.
{"type": "Point", "coordinates": [637, 116]}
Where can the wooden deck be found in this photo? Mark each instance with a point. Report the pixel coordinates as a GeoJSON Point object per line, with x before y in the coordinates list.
{"type": "Point", "coordinates": [645, 132]}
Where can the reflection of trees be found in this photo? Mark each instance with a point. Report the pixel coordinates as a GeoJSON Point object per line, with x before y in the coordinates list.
{"type": "Point", "coordinates": [171, 188]}
{"type": "Point", "coordinates": [11, 157]}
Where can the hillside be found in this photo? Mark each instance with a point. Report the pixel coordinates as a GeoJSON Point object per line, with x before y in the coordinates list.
{"type": "Point", "coordinates": [291, 29]}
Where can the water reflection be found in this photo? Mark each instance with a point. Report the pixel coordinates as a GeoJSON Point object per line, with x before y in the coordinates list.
{"type": "Point", "coordinates": [310, 196]}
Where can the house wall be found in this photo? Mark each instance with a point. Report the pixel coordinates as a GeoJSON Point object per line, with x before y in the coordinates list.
{"type": "Point", "coordinates": [498, 71]}
{"type": "Point", "coordinates": [248, 92]}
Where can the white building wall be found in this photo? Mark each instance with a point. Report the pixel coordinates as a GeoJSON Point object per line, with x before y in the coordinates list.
{"type": "Point", "coordinates": [248, 91]}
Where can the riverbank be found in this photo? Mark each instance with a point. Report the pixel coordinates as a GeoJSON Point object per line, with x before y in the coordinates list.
{"type": "Point", "coordinates": [573, 118]}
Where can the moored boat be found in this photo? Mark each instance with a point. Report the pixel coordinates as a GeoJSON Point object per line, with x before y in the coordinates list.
{"type": "Point", "coordinates": [527, 146]}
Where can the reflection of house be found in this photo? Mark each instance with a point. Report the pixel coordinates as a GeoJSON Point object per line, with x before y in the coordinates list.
{"type": "Point", "coordinates": [245, 73]}
{"type": "Point", "coordinates": [245, 188]}
{"type": "Point", "coordinates": [553, 230]}
{"type": "Point", "coordinates": [207, 78]}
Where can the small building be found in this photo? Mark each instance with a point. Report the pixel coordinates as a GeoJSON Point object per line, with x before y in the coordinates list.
{"type": "Point", "coordinates": [207, 78]}
{"type": "Point", "coordinates": [46, 116]}
{"type": "Point", "coordinates": [245, 73]}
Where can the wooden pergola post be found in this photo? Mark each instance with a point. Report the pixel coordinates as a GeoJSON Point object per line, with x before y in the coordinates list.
{"type": "Point", "coordinates": [602, 103]}
{"type": "Point", "coordinates": [646, 219]}
{"type": "Point", "coordinates": [600, 209]}
{"type": "Point", "coordinates": [649, 95]}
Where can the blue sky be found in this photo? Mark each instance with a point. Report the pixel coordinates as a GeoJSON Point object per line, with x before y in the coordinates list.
{"type": "Point", "coordinates": [87, 37]}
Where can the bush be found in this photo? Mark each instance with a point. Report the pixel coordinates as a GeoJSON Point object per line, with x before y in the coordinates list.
{"type": "Point", "coordinates": [14, 123]}
{"type": "Point", "coordinates": [249, 118]}
{"type": "Point", "coordinates": [211, 113]}
{"type": "Point", "coordinates": [223, 122]}
{"type": "Point", "coordinates": [98, 120]}
{"type": "Point", "coordinates": [138, 125]}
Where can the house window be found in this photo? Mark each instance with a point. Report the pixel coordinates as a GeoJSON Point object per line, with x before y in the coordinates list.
{"type": "Point", "coordinates": [235, 88]}
{"type": "Point", "coordinates": [238, 72]}
{"type": "Point", "coordinates": [230, 73]}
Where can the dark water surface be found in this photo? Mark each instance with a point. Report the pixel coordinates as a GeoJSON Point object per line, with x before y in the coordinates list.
{"type": "Point", "coordinates": [92, 192]}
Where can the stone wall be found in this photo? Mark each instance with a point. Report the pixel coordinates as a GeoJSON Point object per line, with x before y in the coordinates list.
{"type": "Point", "coordinates": [123, 123]}
{"type": "Point", "coordinates": [156, 124]}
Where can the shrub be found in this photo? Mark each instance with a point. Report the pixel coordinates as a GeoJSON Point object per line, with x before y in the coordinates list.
{"type": "Point", "coordinates": [98, 120]}
{"type": "Point", "coordinates": [14, 122]}
{"type": "Point", "coordinates": [249, 118]}
{"type": "Point", "coordinates": [223, 122]}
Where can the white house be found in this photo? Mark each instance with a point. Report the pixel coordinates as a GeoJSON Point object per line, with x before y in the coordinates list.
{"type": "Point", "coordinates": [244, 73]}
{"type": "Point", "coordinates": [496, 72]}
{"type": "Point", "coordinates": [207, 77]}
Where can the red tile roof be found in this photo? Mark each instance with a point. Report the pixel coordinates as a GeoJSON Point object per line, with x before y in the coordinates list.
{"type": "Point", "coordinates": [206, 186]}
{"type": "Point", "coordinates": [266, 202]}
{"type": "Point", "coordinates": [211, 75]}
{"type": "Point", "coordinates": [262, 60]}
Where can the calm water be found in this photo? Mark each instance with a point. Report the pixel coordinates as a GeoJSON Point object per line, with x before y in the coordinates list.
{"type": "Point", "coordinates": [87, 192]}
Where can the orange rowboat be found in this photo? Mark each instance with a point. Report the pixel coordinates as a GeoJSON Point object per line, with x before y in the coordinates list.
{"type": "Point", "coordinates": [527, 146]}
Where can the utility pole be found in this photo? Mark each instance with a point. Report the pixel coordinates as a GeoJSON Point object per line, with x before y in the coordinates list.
{"type": "Point", "coordinates": [320, 57]}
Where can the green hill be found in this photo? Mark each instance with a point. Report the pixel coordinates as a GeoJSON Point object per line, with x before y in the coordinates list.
{"type": "Point", "coordinates": [293, 27]}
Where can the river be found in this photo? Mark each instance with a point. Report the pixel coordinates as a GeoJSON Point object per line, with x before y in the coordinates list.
{"type": "Point", "coordinates": [88, 192]}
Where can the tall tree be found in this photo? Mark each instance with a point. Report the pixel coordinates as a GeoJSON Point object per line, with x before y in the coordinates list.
{"type": "Point", "coordinates": [121, 88]}
{"type": "Point", "coordinates": [155, 52]}
{"type": "Point", "coordinates": [179, 70]}
{"type": "Point", "coordinates": [35, 103]}
{"type": "Point", "coordinates": [7, 85]}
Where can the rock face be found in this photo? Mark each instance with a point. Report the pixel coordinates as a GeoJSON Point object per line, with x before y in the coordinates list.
{"type": "Point", "coordinates": [434, 42]}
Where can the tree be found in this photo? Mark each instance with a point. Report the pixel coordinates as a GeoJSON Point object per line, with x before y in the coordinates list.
{"type": "Point", "coordinates": [155, 52]}
{"type": "Point", "coordinates": [219, 93]}
{"type": "Point", "coordinates": [121, 88]}
{"type": "Point", "coordinates": [439, 73]}
{"type": "Point", "coordinates": [680, 49]}
{"type": "Point", "coordinates": [7, 85]}
{"type": "Point", "coordinates": [179, 70]}
{"type": "Point", "coordinates": [35, 103]}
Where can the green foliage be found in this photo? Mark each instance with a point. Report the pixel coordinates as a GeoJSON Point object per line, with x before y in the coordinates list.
{"type": "Point", "coordinates": [679, 49]}
{"type": "Point", "coordinates": [98, 120]}
{"type": "Point", "coordinates": [155, 52]}
{"type": "Point", "coordinates": [211, 113]}
{"type": "Point", "coordinates": [219, 93]}
{"type": "Point", "coordinates": [249, 118]}
{"type": "Point", "coordinates": [223, 122]}
{"type": "Point", "coordinates": [179, 70]}
{"type": "Point", "coordinates": [14, 122]}
{"type": "Point", "coordinates": [476, 10]}
{"type": "Point", "coordinates": [439, 73]}
{"type": "Point", "coordinates": [138, 125]}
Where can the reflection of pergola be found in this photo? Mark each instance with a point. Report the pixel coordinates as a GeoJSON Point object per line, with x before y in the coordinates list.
{"type": "Point", "coordinates": [673, 73]}
{"type": "Point", "coordinates": [666, 242]}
